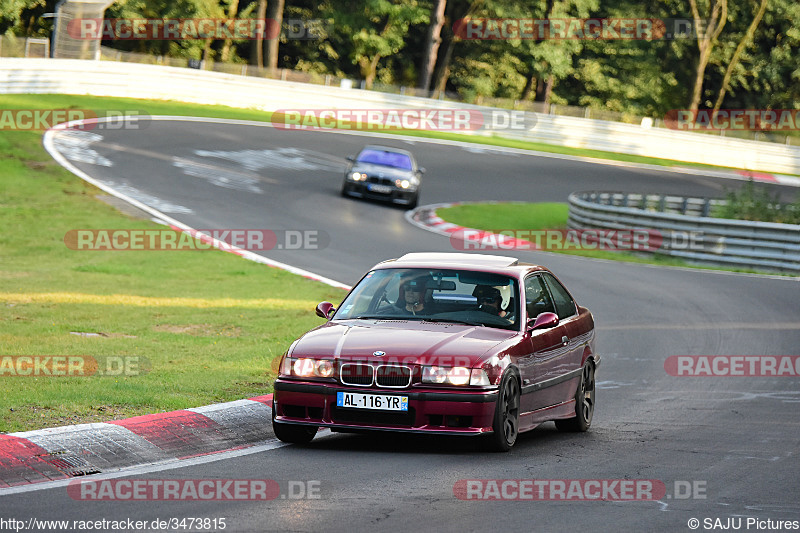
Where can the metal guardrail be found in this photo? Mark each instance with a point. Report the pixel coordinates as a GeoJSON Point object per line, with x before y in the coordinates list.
{"type": "Point", "coordinates": [686, 233]}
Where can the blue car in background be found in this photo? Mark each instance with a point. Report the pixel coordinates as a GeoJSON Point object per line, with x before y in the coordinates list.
{"type": "Point", "coordinates": [383, 173]}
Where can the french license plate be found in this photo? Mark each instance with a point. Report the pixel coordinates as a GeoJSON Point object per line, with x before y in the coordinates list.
{"type": "Point", "coordinates": [383, 189]}
{"type": "Point", "coordinates": [385, 402]}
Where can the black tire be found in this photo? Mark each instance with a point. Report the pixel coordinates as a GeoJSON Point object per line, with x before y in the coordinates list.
{"type": "Point", "coordinates": [584, 403]}
{"type": "Point", "coordinates": [345, 193]}
{"type": "Point", "coordinates": [506, 414]}
{"type": "Point", "coordinates": [413, 203]}
{"type": "Point", "coordinates": [292, 433]}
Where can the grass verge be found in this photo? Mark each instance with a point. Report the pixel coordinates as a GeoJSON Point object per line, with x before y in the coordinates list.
{"type": "Point", "coordinates": [209, 324]}
{"type": "Point", "coordinates": [541, 216]}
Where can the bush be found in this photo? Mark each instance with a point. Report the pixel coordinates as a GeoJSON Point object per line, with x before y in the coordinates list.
{"type": "Point", "coordinates": [757, 203]}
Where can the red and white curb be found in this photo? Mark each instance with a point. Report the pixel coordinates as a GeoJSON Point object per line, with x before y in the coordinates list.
{"type": "Point", "coordinates": [779, 179]}
{"type": "Point", "coordinates": [425, 217]}
{"type": "Point", "coordinates": [67, 452]}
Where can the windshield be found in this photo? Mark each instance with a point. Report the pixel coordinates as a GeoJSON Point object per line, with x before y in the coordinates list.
{"type": "Point", "coordinates": [456, 296]}
{"type": "Point", "coordinates": [384, 158]}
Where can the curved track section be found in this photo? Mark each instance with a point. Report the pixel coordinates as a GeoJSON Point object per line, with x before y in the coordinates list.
{"type": "Point", "coordinates": [734, 437]}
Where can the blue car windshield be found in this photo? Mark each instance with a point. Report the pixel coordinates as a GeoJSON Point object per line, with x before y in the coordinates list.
{"type": "Point", "coordinates": [384, 158]}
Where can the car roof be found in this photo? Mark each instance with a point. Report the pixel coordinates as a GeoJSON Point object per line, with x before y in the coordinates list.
{"type": "Point", "coordinates": [494, 263]}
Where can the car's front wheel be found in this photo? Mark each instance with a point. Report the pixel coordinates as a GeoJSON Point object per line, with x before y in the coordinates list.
{"type": "Point", "coordinates": [584, 403]}
{"type": "Point", "coordinates": [506, 415]}
{"type": "Point", "coordinates": [292, 433]}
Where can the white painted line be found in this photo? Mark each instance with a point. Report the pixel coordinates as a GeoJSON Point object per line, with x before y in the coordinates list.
{"type": "Point", "coordinates": [171, 464]}
{"type": "Point", "coordinates": [223, 406]}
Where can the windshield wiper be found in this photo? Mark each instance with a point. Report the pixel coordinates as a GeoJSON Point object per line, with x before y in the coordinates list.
{"type": "Point", "coordinates": [377, 317]}
{"type": "Point", "coordinates": [454, 321]}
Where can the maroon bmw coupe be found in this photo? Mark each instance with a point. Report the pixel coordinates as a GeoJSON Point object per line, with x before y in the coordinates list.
{"type": "Point", "coordinates": [443, 343]}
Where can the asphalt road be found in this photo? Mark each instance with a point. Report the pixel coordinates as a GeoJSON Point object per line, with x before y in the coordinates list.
{"type": "Point", "coordinates": [735, 439]}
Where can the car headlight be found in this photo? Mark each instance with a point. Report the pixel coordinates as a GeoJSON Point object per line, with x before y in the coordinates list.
{"type": "Point", "coordinates": [358, 176]}
{"type": "Point", "coordinates": [306, 367]}
{"type": "Point", "coordinates": [403, 184]}
{"type": "Point", "coordinates": [457, 375]}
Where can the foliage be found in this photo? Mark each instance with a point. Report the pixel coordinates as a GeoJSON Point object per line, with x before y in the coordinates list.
{"type": "Point", "coordinates": [383, 42]}
{"type": "Point", "coordinates": [758, 203]}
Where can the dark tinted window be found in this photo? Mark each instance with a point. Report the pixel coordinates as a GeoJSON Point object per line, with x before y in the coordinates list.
{"type": "Point", "coordinates": [387, 159]}
{"type": "Point", "coordinates": [565, 305]}
{"type": "Point", "coordinates": [537, 299]}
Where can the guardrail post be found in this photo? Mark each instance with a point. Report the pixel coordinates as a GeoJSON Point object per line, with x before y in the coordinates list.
{"type": "Point", "coordinates": [685, 205]}
{"type": "Point", "coordinates": [662, 203]}
{"type": "Point", "coordinates": [706, 208]}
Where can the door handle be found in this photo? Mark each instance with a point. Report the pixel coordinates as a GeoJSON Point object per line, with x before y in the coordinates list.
{"type": "Point", "coordinates": [564, 340]}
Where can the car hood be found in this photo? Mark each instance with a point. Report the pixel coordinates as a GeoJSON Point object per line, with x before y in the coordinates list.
{"type": "Point", "coordinates": [401, 341]}
{"type": "Point", "coordinates": [388, 172]}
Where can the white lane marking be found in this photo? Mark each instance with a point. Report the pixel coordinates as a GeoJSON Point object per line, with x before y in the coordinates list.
{"type": "Point", "coordinates": [286, 158]}
{"type": "Point", "coordinates": [227, 405]}
{"type": "Point", "coordinates": [163, 206]}
{"type": "Point", "coordinates": [76, 146]}
{"type": "Point", "coordinates": [611, 384]}
{"type": "Point", "coordinates": [227, 178]}
{"type": "Point", "coordinates": [172, 464]}
{"type": "Point", "coordinates": [146, 469]}
{"type": "Point", "coordinates": [49, 145]}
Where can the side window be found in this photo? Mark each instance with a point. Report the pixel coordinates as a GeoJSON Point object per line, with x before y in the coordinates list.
{"type": "Point", "coordinates": [537, 299]}
{"type": "Point", "coordinates": [565, 305]}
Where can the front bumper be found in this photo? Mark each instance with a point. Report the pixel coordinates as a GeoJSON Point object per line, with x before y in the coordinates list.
{"type": "Point", "coordinates": [396, 195]}
{"type": "Point", "coordinates": [469, 412]}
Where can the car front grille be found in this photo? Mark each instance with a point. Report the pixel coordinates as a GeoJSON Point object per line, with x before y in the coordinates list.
{"type": "Point", "coordinates": [393, 376]}
{"type": "Point", "coordinates": [380, 181]}
{"type": "Point", "coordinates": [356, 374]}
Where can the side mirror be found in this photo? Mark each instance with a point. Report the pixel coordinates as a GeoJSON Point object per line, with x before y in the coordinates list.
{"type": "Point", "coordinates": [421, 170]}
{"type": "Point", "coordinates": [325, 310]}
{"type": "Point", "coordinates": [543, 321]}
{"type": "Point", "coordinates": [350, 158]}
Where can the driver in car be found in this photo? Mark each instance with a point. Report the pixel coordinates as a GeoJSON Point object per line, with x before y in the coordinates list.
{"type": "Point", "coordinates": [490, 300]}
{"type": "Point", "coordinates": [415, 297]}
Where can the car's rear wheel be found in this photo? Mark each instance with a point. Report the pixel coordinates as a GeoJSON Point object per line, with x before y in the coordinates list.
{"type": "Point", "coordinates": [506, 415]}
{"type": "Point", "coordinates": [584, 403]}
{"type": "Point", "coordinates": [292, 433]}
